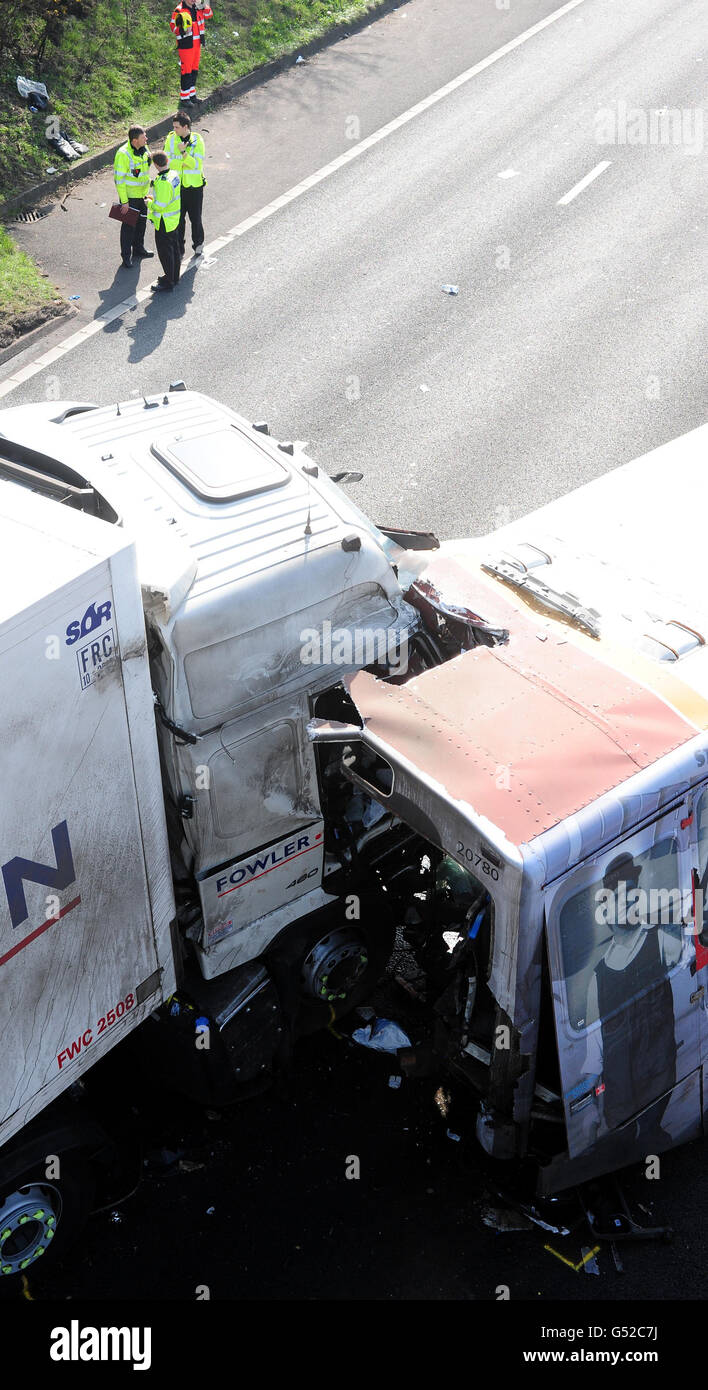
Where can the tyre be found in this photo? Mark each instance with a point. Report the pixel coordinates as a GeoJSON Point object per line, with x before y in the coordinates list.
{"type": "Point", "coordinates": [329, 967]}
{"type": "Point", "coordinates": [41, 1215]}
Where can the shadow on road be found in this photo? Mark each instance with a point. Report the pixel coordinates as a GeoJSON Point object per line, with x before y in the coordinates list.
{"type": "Point", "coordinates": [124, 284]}
{"type": "Point", "coordinates": [147, 332]}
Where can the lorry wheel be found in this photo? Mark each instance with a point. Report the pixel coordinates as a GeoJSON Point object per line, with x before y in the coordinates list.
{"type": "Point", "coordinates": [339, 971]}
{"type": "Point", "coordinates": [38, 1214]}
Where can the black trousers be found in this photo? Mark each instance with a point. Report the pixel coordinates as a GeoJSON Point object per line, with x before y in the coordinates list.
{"type": "Point", "coordinates": [133, 238]}
{"type": "Point", "coordinates": [167, 247]}
{"type": "Point", "coordinates": [192, 199]}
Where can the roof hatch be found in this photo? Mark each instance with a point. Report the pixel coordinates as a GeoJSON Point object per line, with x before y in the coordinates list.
{"type": "Point", "coordinates": [221, 466]}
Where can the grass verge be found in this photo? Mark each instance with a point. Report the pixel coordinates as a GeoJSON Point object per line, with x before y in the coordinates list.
{"type": "Point", "coordinates": [115, 67]}
{"type": "Point", "coordinates": [118, 65]}
{"type": "Point", "coordinates": [26, 298]}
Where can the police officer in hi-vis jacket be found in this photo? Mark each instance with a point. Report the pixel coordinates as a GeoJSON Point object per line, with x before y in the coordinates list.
{"type": "Point", "coordinates": [131, 172]}
{"type": "Point", "coordinates": [164, 212]}
{"type": "Point", "coordinates": [185, 148]}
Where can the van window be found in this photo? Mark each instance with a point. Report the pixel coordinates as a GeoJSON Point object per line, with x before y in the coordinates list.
{"type": "Point", "coordinates": [628, 918]}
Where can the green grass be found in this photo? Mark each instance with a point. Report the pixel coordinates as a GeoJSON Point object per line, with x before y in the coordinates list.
{"type": "Point", "coordinates": [119, 65]}
{"type": "Point", "coordinates": [26, 298]}
{"type": "Point", "coordinates": [114, 68]}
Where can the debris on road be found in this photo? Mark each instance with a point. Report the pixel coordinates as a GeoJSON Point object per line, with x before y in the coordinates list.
{"type": "Point", "coordinates": [502, 1220]}
{"type": "Point", "coordinates": [451, 289]}
{"type": "Point", "coordinates": [395, 1082]}
{"type": "Point", "coordinates": [299, 59]}
{"type": "Point", "coordinates": [442, 1100]}
{"type": "Point", "coordinates": [451, 1135]}
{"type": "Point", "coordinates": [381, 1036]}
{"type": "Point", "coordinates": [590, 1264]}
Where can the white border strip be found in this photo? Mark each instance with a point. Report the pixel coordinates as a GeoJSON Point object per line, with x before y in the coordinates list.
{"type": "Point", "coordinates": [117, 310]}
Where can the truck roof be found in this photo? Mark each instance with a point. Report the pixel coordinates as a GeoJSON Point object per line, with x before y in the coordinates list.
{"type": "Point", "coordinates": [245, 547]}
{"type": "Point", "coordinates": [210, 501]}
{"type": "Point", "coordinates": [587, 691]}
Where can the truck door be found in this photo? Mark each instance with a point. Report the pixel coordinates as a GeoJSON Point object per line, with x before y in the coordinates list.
{"type": "Point", "coordinates": [624, 997]}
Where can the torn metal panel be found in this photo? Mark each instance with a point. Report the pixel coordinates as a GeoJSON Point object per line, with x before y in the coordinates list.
{"type": "Point", "coordinates": [528, 707]}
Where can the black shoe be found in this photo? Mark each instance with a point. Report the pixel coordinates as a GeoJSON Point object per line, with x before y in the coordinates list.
{"type": "Point", "coordinates": [143, 255]}
{"type": "Point", "coordinates": [196, 101]}
{"type": "Point", "coordinates": [158, 288]}
{"type": "Point", "coordinates": [126, 264]}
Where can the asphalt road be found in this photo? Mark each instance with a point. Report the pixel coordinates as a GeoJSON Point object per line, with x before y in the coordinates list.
{"type": "Point", "coordinates": [577, 339]}
{"type": "Point", "coordinates": [254, 1203]}
{"type": "Point", "coordinates": [576, 342]}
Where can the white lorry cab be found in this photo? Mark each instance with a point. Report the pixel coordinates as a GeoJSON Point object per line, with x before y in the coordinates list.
{"type": "Point", "coordinates": [252, 742]}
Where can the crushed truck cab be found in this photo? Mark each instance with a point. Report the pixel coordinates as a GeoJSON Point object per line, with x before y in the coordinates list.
{"type": "Point", "coordinates": [349, 739]}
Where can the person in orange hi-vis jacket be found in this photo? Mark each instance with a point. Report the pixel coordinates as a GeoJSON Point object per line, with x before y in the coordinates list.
{"type": "Point", "coordinates": [201, 13]}
{"type": "Point", "coordinates": [185, 30]}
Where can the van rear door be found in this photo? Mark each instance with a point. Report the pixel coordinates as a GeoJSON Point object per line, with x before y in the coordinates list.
{"type": "Point", "coordinates": [624, 997]}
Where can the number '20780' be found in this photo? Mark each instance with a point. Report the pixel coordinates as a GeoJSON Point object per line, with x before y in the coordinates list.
{"type": "Point", "coordinates": [477, 861]}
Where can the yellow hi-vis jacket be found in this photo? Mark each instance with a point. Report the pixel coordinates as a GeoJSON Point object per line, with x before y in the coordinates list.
{"type": "Point", "coordinates": [166, 200]}
{"type": "Point", "coordinates": [188, 158]}
{"type": "Point", "coordinates": [131, 172]}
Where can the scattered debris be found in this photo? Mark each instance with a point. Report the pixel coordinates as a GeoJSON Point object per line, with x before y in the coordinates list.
{"type": "Point", "coordinates": [394, 1082]}
{"type": "Point", "coordinates": [51, 169]}
{"type": "Point", "coordinates": [590, 1264]}
{"type": "Point", "coordinates": [189, 1165]}
{"type": "Point", "coordinates": [74, 296]}
{"type": "Point", "coordinates": [442, 1100]}
{"type": "Point", "coordinates": [63, 144]}
{"type": "Point", "coordinates": [503, 1220]}
{"type": "Point", "coordinates": [586, 1255]}
{"type": "Point", "coordinates": [381, 1036]}
{"type": "Point", "coordinates": [210, 1211]}
{"type": "Point", "coordinates": [299, 59]}
{"type": "Point", "coordinates": [116, 1217]}
{"type": "Point", "coordinates": [450, 289]}
{"type": "Point", "coordinates": [451, 1135]}
{"type": "Point", "coordinates": [34, 92]}
{"type": "Point", "coordinates": [423, 388]}
{"type": "Point", "coordinates": [508, 174]}
{"type": "Point", "coordinates": [558, 1256]}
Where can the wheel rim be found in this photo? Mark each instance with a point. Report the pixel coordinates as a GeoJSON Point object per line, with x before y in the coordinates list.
{"type": "Point", "coordinates": [29, 1218]}
{"type": "Point", "coordinates": [334, 965]}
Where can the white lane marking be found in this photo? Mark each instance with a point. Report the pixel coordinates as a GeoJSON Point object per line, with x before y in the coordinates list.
{"type": "Point", "coordinates": [99, 323]}
{"type": "Point", "coordinates": [589, 178]}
